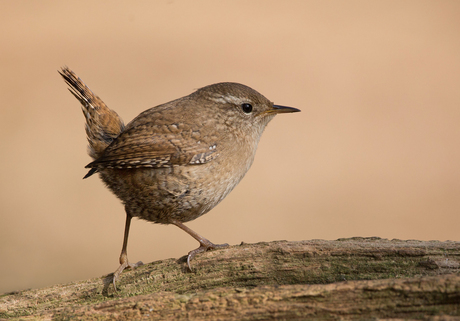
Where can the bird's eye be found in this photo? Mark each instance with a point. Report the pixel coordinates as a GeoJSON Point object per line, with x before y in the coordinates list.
{"type": "Point", "coordinates": [247, 108]}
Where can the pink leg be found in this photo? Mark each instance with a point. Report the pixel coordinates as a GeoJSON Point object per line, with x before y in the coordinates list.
{"type": "Point", "coordinates": [204, 243]}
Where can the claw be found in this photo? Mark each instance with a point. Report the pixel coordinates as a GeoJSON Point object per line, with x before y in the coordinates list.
{"type": "Point", "coordinates": [120, 269]}
{"type": "Point", "coordinates": [205, 245]}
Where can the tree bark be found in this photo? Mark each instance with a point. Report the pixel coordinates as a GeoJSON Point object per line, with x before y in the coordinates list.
{"type": "Point", "coordinates": [347, 278]}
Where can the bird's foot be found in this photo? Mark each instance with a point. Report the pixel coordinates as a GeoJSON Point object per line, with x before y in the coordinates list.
{"type": "Point", "coordinates": [124, 264]}
{"type": "Point", "coordinates": [205, 245]}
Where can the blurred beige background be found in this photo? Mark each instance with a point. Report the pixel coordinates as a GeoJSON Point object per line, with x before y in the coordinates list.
{"type": "Point", "coordinates": [374, 152]}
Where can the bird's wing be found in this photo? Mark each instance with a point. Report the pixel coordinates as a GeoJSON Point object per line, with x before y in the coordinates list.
{"type": "Point", "coordinates": [136, 148]}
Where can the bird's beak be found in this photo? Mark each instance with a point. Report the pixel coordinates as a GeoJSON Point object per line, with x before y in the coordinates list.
{"type": "Point", "coordinates": [281, 110]}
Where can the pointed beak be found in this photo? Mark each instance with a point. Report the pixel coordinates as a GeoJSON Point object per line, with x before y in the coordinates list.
{"type": "Point", "coordinates": [281, 110]}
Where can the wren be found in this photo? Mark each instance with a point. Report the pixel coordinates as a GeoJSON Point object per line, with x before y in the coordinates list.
{"type": "Point", "coordinates": [176, 161]}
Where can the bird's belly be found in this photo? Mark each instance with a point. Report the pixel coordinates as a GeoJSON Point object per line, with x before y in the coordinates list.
{"type": "Point", "coordinates": [180, 193]}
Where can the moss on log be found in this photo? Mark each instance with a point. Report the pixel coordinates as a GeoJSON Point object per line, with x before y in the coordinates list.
{"type": "Point", "coordinates": [346, 278]}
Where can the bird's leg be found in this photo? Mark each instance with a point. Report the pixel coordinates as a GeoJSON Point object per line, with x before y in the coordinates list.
{"type": "Point", "coordinates": [205, 244]}
{"type": "Point", "coordinates": [124, 263]}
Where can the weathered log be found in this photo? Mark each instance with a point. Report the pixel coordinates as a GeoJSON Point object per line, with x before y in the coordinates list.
{"type": "Point", "coordinates": [346, 278]}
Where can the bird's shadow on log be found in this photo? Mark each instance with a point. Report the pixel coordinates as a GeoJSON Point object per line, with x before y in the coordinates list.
{"type": "Point", "coordinates": [108, 289]}
{"type": "Point", "coordinates": [107, 281]}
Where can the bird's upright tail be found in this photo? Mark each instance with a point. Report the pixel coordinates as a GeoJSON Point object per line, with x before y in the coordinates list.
{"type": "Point", "coordinates": [103, 125]}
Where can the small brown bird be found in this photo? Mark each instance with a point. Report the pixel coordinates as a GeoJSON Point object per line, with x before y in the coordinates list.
{"type": "Point", "coordinates": [176, 161]}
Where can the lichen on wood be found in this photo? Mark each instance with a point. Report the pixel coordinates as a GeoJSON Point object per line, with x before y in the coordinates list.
{"type": "Point", "coordinates": [346, 278]}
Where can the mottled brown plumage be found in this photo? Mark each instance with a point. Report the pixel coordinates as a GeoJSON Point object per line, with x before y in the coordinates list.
{"type": "Point", "coordinates": [176, 161]}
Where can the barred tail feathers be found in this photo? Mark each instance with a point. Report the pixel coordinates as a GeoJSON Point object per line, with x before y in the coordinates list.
{"type": "Point", "coordinates": [103, 125]}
